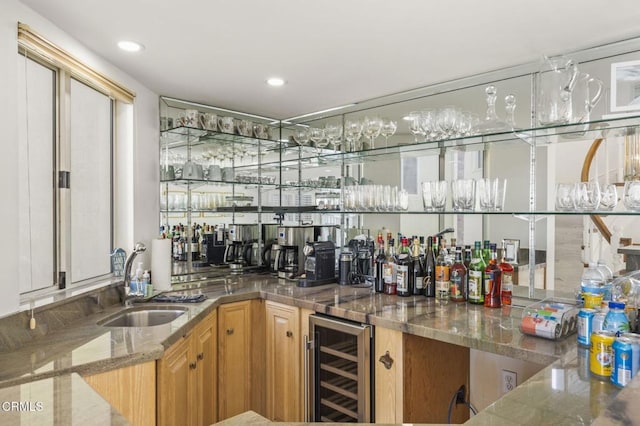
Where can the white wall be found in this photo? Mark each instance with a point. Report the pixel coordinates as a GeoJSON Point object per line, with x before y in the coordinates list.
{"type": "Point", "coordinates": [143, 183]}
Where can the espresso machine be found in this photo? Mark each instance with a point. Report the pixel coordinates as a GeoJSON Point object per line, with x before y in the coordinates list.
{"type": "Point", "coordinates": [214, 245]}
{"type": "Point", "coordinates": [319, 263]}
{"type": "Point", "coordinates": [289, 250]}
{"type": "Point", "coordinates": [239, 251]}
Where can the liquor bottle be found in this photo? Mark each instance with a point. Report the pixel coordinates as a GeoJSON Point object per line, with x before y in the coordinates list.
{"type": "Point", "coordinates": [476, 276]}
{"type": "Point", "coordinates": [466, 259]}
{"type": "Point", "coordinates": [492, 281]}
{"type": "Point", "coordinates": [430, 267]}
{"type": "Point", "coordinates": [403, 263]}
{"type": "Point", "coordinates": [443, 281]}
{"type": "Point", "coordinates": [417, 271]}
{"type": "Point", "coordinates": [389, 270]}
{"type": "Point", "coordinates": [507, 280]}
{"type": "Point", "coordinates": [458, 278]}
{"type": "Point", "coordinates": [486, 252]}
{"type": "Point", "coordinates": [422, 250]}
{"type": "Point", "coordinates": [379, 270]}
{"type": "Point", "coordinates": [182, 245]}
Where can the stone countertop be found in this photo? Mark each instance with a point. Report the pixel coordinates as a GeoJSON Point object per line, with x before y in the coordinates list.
{"type": "Point", "coordinates": [88, 348]}
{"type": "Point", "coordinates": [64, 400]}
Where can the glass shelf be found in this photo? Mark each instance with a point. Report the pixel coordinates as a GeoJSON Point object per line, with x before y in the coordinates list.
{"type": "Point", "coordinates": [201, 182]}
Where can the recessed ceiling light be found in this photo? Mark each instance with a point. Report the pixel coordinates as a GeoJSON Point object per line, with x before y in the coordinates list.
{"type": "Point", "coordinates": [275, 81]}
{"type": "Point", "coordinates": [130, 46]}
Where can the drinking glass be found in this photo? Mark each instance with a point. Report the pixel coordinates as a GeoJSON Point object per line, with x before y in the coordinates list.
{"type": "Point", "coordinates": [317, 137]}
{"type": "Point", "coordinates": [352, 133]}
{"type": "Point", "coordinates": [426, 197]}
{"type": "Point", "coordinates": [631, 197]}
{"type": "Point", "coordinates": [415, 126]}
{"type": "Point", "coordinates": [427, 122]}
{"type": "Point", "coordinates": [389, 128]}
{"type": "Point", "coordinates": [333, 132]}
{"type": "Point", "coordinates": [403, 200]}
{"type": "Point", "coordinates": [438, 194]}
{"type": "Point", "coordinates": [487, 192]}
{"type": "Point", "coordinates": [448, 121]}
{"type": "Point", "coordinates": [501, 192]}
{"type": "Point", "coordinates": [564, 196]}
{"type": "Point", "coordinates": [301, 136]}
{"type": "Point", "coordinates": [371, 127]}
{"type": "Point", "coordinates": [586, 196]}
{"type": "Point", "coordinates": [608, 197]}
{"type": "Point", "coordinates": [463, 194]}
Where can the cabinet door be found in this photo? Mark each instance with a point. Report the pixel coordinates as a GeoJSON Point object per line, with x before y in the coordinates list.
{"type": "Point", "coordinates": [388, 376]}
{"type": "Point", "coordinates": [176, 385]}
{"type": "Point", "coordinates": [131, 390]}
{"type": "Point", "coordinates": [234, 359]}
{"type": "Point", "coordinates": [283, 363]}
{"type": "Point", "coordinates": [205, 339]}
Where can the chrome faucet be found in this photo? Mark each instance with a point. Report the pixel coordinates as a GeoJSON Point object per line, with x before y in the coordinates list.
{"type": "Point", "coordinates": [127, 296]}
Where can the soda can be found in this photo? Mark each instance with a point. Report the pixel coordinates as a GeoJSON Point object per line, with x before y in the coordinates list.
{"type": "Point", "coordinates": [541, 327]}
{"type": "Point", "coordinates": [635, 345]}
{"type": "Point", "coordinates": [585, 325]}
{"type": "Point", "coordinates": [601, 354]}
{"type": "Point", "coordinates": [597, 323]}
{"type": "Point", "coordinates": [622, 361]}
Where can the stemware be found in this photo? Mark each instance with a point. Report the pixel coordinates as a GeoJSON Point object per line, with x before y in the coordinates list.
{"type": "Point", "coordinates": [301, 136]}
{"type": "Point", "coordinates": [352, 133]}
{"type": "Point", "coordinates": [317, 137]}
{"type": "Point", "coordinates": [415, 125]}
{"type": "Point", "coordinates": [389, 128]}
{"type": "Point", "coordinates": [371, 127]}
{"type": "Point", "coordinates": [333, 132]}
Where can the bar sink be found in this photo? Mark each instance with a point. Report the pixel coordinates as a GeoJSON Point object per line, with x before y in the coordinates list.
{"type": "Point", "coordinates": [143, 316]}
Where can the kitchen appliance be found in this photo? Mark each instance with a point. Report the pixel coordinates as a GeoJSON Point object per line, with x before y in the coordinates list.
{"type": "Point", "coordinates": [319, 263]}
{"type": "Point", "coordinates": [291, 242]}
{"type": "Point", "coordinates": [361, 255]}
{"type": "Point", "coordinates": [339, 374]}
{"type": "Point", "coordinates": [270, 238]}
{"type": "Point", "coordinates": [214, 246]}
{"type": "Point", "coordinates": [240, 246]}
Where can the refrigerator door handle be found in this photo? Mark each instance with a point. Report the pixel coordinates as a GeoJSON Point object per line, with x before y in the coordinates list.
{"type": "Point", "coordinates": [307, 345]}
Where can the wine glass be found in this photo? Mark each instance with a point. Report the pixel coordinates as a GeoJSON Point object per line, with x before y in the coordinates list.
{"type": "Point", "coordinates": [301, 136]}
{"type": "Point", "coordinates": [389, 128]}
{"type": "Point", "coordinates": [317, 137]}
{"type": "Point", "coordinates": [416, 126]}
{"type": "Point", "coordinates": [333, 132]}
{"type": "Point", "coordinates": [371, 127]}
{"type": "Point", "coordinates": [352, 133]}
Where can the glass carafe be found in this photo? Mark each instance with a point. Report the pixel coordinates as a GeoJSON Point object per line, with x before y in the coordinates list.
{"type": "Point", "coordinates": [556, 81]}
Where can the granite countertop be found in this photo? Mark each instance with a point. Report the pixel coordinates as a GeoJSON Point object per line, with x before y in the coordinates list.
{"type": "Point", "coordinates": [64, 400]}
{"type": "Point", "coordinates": [560, 392]}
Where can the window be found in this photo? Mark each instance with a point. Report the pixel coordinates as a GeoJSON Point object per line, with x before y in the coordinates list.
{"type": "Point", "coordinates": [66, 184]}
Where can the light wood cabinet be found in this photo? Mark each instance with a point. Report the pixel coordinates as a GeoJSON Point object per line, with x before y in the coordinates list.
{"type": "Point", "coordinates": [130, 390]}
{"type": "Point", "coordinates": [186, 378]}
{"type": "Point", "coordinates": [388, 361]}
{"type": "Point", "coordinates": [235, 359]}
{"type": "Point", "coordinates": [283, 369]}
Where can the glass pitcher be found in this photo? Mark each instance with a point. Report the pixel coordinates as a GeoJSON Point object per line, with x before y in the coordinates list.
{"type": "Point", "coordinates": [556, 81]}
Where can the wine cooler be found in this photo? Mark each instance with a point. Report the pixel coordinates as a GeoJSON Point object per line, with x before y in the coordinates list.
{"type": "Point", "coordinates": [339, 376]}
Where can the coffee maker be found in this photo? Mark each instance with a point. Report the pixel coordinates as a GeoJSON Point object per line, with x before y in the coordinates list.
{"type": "Point", "coordinates": [239, 252]}
{"type": "Point", "coordinates": [271, 247]}
{"type": "Point", "coordinates": [289, 250]}
{"type": "Point", "coordinates": [214, 245]}
{"type": "Point", "coordinates": [319, 264]}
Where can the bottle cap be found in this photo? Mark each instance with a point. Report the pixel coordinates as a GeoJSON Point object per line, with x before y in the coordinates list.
{"type": "Point", "coordinates": [616, 305]}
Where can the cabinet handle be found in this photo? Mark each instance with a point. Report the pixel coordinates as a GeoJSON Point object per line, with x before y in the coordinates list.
{"type": "Point", "coordinates": [201, 356]}
{"type": "Point", "coordinates": [386, 360]}
{"type": "Point", "coordinates": [289, 333]}
{"type": "Point", "coordinates": [192, 365]}
{"type": "Point", "coordinates": [229, 331]}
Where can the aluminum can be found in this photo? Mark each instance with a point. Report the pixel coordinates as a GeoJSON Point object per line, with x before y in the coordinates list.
{"type": "Point", "coordinates": [585, 323]}
{"type": "Point", "coordinates": [622, 361]}
{"type": "Point", "coordinates": [635, 345]}
{"type": "Point", "coordinates": [601, 354]}
{"type": "Point", "coordinates": [541, 327]}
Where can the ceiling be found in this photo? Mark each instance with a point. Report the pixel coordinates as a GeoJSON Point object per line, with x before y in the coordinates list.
{"type": "Point", "coordinates": [330, 52]}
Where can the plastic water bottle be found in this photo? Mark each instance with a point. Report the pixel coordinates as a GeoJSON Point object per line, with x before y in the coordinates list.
{"type": "Point", "coordinates": [145, 284]}
{"type": "Point", "coordinates": [616, 320]}
{"type": "Point", "coordinates": [592, 282]}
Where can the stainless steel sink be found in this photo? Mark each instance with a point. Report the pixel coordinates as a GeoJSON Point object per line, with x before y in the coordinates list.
{"type": "Point", "coordinates": [143, 316]}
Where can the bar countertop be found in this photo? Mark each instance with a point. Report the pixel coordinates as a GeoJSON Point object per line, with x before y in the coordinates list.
{"type": "Point", "coordinates": [561, 393]}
